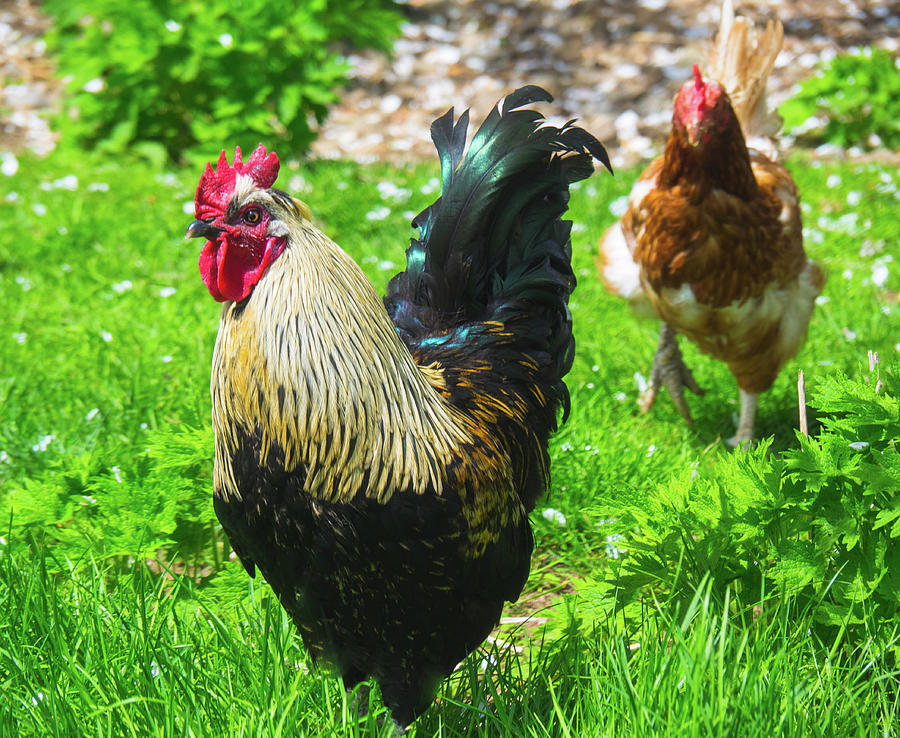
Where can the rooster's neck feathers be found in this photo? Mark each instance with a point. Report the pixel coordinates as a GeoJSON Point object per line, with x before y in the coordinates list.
{"type": "Point", "coordinates": [364, 418]}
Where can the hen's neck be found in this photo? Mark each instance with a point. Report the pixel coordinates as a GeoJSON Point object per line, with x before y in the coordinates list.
{"type": "Point", "coordinates": [722, 163]}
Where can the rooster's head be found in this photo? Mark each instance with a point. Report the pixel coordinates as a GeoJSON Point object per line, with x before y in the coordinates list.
{"type": "Point", "coordinates": [702, 108]}
{"type": "Point", "coordinates": [242, 219]}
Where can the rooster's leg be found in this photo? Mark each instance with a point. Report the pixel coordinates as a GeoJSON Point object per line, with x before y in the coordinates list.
{"type": "Point", "coordinates": [670, 372]}
{"type": "Point", "coordinates": [748, 416]}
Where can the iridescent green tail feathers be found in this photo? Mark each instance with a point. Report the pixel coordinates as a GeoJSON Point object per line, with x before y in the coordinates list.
{"type": "Point", "coordinates": [493, 248]}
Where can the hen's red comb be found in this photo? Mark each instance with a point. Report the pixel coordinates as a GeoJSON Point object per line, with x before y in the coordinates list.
{"type": "Point", "coordinates": [699, 84]}
{"type": "Point", "coordinates": [217, 185]}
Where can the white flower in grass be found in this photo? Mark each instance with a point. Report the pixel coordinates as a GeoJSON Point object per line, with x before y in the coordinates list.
{"type": "Point", "coordinates": [2, 541]}
{"type": "Point", "coordinates": [620, 396]}
{"type": "Point", "coordinates": [12, 196]}
{"type": "Point", "coordinates": [847, 274]}
{"type": "Point", "coordinates": [554, 516]}
{"type": "Point", "coordinates": [595, 368]}
{"type": "Point", "coordinates": [854, 198]}
{"type": "Point", "coordinates": [566, 446]}
{"type": "Point", "coordinates": [39, 210]}
{"type": "Point", "coordinates": [651, 449]}
{"type": "Point", "coordinates": [117, 473]}
{"type": "Point", "coordinates": [188, 207]}
{"type": "Point", "coordinates": [154, 669]}
{"type": "Point", "coordinates": [390, 191]}
{"type": "Point", "coordinates": [123, 286]}
{"type": "Point", "coordinates": [823, 300]}
{"type": "Point", "coordinates": [430, 186]}
{"type": "Point", "coordinates": [20, 338]}
{"type": "Point", "coordinates": [880, 274]}
{"type": "Point", "coordinates": [641, 381]}
{"type": "Point", "coordinates": [833, 181]}
{"type": "Point", "coordinates": [165, 359]}
{"type": "Point", "coordinates": [618, 206]}
{"type": "Point", "coordinates": [590, 385]}
{"type": "Point", "coordinates": [859, 445]}
{"type": "Point", "coordinates": [94, 86]}
{"type": "Point", "coordinates": [92, 413]}
{"type": "Point", "coordinates": [89, 500]}
{"type": "Point", "coordinates": [10, 165]}
{"type": "Point", "coordinates": [386, 264]}
{"type": "Point", "coordinates": [173, 26]}
{"type": "Point", "coordinates": [106, 336]}
{"type": "Point", "coordinates": [24, 283]}
{"type": "Point", "coordinates": [226, 39]}
{"type": "Point", "coordinates": [379, 213]}
{"type": "Point", "coordinates": [409, 214]}
{"type": "Point", "coordinates": [98, 187]}
{"type": "Point", "coordinates": [43, 443]}
{"type": "Point", "coordinates": [166, 291]}
{"type": "Point", "coordinates": [4, 459]}
{"type": "Point", "coordinates": [66, 267]}
{"type": "Point", "coordinates": [612, 550]}
{"type": "Point", "coordinates": [38, 697]}
{"type": "Point", "coordinates": [848, 334]}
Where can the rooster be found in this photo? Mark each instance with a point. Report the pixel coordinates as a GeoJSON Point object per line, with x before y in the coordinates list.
{"type": "Point", "coordinates": [712, 239]}
{"type": "Point", "coordinates": [376, 460]}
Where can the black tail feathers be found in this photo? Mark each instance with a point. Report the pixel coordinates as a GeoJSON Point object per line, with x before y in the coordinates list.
{"type": "Point", "coordinates": [493, 247]}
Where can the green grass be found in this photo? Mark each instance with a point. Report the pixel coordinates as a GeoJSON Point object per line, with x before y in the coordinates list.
{"type": "Point", "coordinates": [105, 347]}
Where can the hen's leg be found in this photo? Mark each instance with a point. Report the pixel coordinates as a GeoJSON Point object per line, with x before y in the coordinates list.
{"type": "Point", "coordinates": [748, 416]}
{"type": "Point", "coordinates": [670, 372]}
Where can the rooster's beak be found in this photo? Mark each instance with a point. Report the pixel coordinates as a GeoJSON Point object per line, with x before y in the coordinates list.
{"type": "Point", "coordinates": [203, 228]}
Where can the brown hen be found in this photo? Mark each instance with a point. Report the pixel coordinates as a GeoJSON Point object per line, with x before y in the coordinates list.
{"type": "Point", "coordinates": [712, 238]}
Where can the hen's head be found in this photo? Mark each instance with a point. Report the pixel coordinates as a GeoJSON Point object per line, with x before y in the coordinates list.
{"type": "Point", "coordinates": [702, 109]}
{"type": "Point", "coordinates": [243, 220]}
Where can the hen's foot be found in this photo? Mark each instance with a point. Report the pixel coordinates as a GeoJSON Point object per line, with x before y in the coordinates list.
{"type": "Point", "coordinates": [744, 436]}
{"type": "Point", "coordinates": [669, 371]}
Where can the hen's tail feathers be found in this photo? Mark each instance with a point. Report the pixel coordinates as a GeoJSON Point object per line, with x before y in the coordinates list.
{"type": "Point", "coordinates": [741, 60]}
{"type": "Point", "coordinates": [493, 248]}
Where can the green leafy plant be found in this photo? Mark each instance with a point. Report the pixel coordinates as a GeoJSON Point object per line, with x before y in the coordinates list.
{"type": "Point", "coordinates": [820, 522]}
{"type": "Point", "coordinates": [206, 74]}
{"type": "Point", "coordinates": [853, 100]}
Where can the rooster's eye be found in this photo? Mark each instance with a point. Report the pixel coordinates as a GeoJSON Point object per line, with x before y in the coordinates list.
{"type": "Point", "coordinates": [252, 216]}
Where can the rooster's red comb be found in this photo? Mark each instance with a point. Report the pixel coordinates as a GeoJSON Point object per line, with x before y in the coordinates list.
{"type": "Point", "coordinates": [217, 185]}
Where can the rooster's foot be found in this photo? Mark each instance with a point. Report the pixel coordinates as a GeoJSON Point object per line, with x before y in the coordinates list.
{"type": "Point", "coordinates": [669, 371]}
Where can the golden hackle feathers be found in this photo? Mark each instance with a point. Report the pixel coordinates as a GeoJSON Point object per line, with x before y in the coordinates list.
{"type": "Point", "coordinates": [741, 59]}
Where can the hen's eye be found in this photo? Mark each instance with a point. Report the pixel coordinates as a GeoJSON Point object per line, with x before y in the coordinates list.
{"type": "Point", "coordinates": [252, 216]}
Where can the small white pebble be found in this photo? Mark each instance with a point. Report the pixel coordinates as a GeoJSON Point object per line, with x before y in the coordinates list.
{"type": "Point", "coordinates": [554, 516]}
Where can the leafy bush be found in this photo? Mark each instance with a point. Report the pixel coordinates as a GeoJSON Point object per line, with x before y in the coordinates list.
{"type": "Point", "coordinates": [212, 73]}
{"type": "Point", "coordinates": [820, 522]}
{"type": "Point", "coordinates": [852, 100]}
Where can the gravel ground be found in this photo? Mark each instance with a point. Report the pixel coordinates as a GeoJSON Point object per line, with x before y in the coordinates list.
{"type": "Point", "coordinates": [613, 64]}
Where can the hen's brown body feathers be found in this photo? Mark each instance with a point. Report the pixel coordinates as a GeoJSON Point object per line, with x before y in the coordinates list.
{"type": "Point", "coordinates": [713, 239]}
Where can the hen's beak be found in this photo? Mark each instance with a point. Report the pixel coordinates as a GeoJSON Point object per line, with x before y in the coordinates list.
{"type": "Point", "coordinates": [204, 229]}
